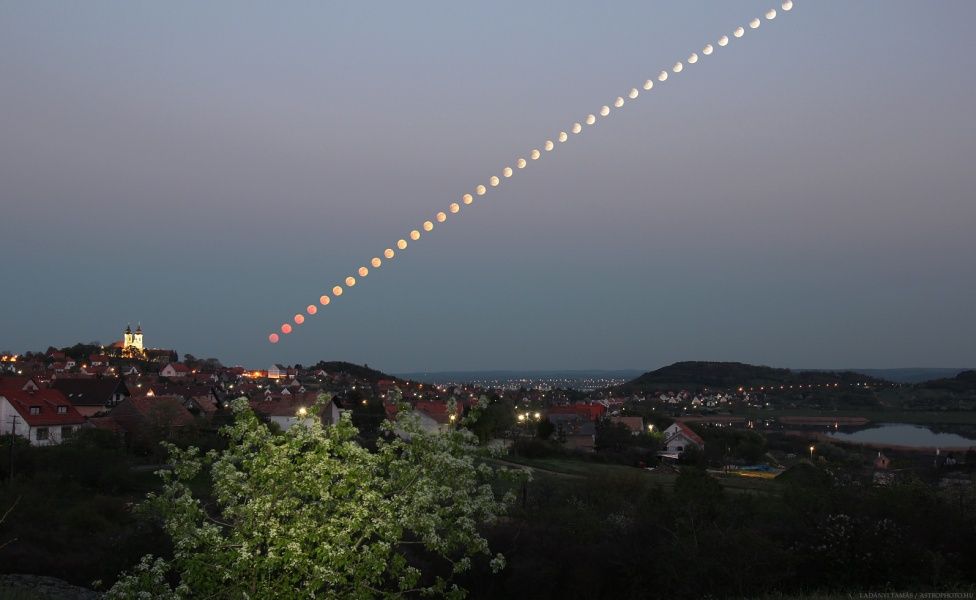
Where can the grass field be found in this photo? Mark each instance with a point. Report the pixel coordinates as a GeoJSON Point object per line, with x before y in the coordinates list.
{"type": "Point", "coordinates": [567, 467]}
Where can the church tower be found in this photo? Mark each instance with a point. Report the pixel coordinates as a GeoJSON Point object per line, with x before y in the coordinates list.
{"type": "Point", "coordinates": [132, 346]}
{"type": "Point", "coordinates": [137, 338]}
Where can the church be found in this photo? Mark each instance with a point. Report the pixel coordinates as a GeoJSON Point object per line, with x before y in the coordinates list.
{"type": "Point", "coordinates": [132, 346]}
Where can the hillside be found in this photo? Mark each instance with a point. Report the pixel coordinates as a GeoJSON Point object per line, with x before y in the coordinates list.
{"type": "Point", "coordinates": [357, 371]}
{"type": "Point", "coordinates": [963, 382]}
{"type": "Point", "coordinates": [731, 375]}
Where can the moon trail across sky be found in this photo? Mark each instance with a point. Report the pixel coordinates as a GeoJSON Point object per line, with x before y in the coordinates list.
{"type": "Point", "coordinates": [520, 163]}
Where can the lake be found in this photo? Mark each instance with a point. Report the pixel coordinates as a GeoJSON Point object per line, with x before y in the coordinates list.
{"type": "Point", "coordinates": [902, 434]}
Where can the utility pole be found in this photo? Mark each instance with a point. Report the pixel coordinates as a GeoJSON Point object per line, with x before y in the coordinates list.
{"type": "Point", "coordinates": [13, 434]}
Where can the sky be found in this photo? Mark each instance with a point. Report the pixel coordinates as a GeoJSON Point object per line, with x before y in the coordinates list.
{"type": "Point", "coordinates": [805, 197]}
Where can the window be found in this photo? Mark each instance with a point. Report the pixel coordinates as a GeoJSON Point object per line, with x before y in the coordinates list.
{"type": "Point", "coordinates": [41, 434]}
{"type": "Point", "coordinates": [35, 410]}
{"type": "Point", "coordinates": [62, 410]}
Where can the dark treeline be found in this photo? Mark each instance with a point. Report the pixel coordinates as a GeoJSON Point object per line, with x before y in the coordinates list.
{"type": "Point", "coordinates": [618, 537]}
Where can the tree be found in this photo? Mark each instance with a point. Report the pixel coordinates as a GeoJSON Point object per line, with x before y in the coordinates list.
{"type": "Point", "coordinates": [310, 513]}
{"type": "Point", "coordinates": [544, 429]}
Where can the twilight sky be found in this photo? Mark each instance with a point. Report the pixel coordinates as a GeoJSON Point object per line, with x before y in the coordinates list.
{"type": "Point", "coordinates": [805, 197]}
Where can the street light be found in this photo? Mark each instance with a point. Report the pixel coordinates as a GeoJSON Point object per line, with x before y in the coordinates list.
{"type": "Point", "coordinates": [811, 452]}
{"type": "Point", "coordinates": [302, 412]}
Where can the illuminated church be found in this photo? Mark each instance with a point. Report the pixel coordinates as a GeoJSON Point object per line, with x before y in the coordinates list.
{"type": "Point", "coordinates": [132, 346]}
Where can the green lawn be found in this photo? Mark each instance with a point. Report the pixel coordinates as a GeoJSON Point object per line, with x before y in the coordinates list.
{"type": "Point", "coordinates": [567, 467]}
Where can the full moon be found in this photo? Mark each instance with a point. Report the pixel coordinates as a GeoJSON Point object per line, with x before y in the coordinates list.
{"type": "Point", "coordinates": [337, 291]}
{"type": "Point", "coordinates": [618, 102]}
{"type": "Point", "coordinates": [648, 84]}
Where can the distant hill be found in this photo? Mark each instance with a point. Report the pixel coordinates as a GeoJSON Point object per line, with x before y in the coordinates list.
{"type": "Point", "coordinates": [963, 382]}
{"type": "Point", "coordinates": [910, 375]}
{"type": "Point", "coordinates": [501, 374]}
{"type": "Point", "coordinates": [357, 371]}
{"type": "Point", "coordinates": [731, 375]}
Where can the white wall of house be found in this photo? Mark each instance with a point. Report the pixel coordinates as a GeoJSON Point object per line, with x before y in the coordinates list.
{"type": "Point", "coordinates": [37, 436]}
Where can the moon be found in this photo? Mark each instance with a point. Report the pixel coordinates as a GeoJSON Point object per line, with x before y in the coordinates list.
{"type": "Point", "coordinates": [286, 329]}
{"type": "Point", "coordinates": [273, 338]}
{"type": "Point", "coordinates": [480, 190]}
{"type": "Point", "coordinates": [324, 300]}
{"type": "Point", "coordinates": [618, 102]}
{"type": "Point", "coordinates": [738, 32]}
{"type": "Point", "coordinates": [441, 217]}
{"type": "Point", "coordinates": [350, 281]}
{"type": "Point", "coordinates": [771, 14]}
{"type": "Point", "coordinates": [577, 128]}
{"type": "Point", "coordinates": [590, 119]}
{"type": "Point", "coordinates": [337, 290]}
{"type": "Point", "coordinates": [507, 171]}
{"type": "Point", "coordinates": [707, 50]}
{"type": "Point", "coordinates": [549, 146]}
{"type": "Point", "coordinates": [662, 76]}
{"type": "Point", "coordinates": [428, 226]}
{"type": "Point", "coordinates": [493, 181]}
{"type": "Point", "coordinates": [648, 84]}
{"type": "Point", "coordinates": [723, 41]}
{"type": "Point", "coordinates": [520, 163]}
{"type": "Point", "coordinates": [415, 235]}
{"type": "Point", "coordinates": [678, 67]}
{"type": "Point", "coordinates": [604, 110]}
{"type": "Point", "coordinates": [299, 319]}
{"type": "Point", "coordinates": [467, 198]}
{"type": "Point", "coordinates": [633, 93]}
{"type": "Point", "coordinates": [454, 208]}
{"type": "Point", "coordinates": [535, 154]}
{"type": "Point", "coordinates": [563, 136]}
{"type": "Point", "coordinates": [363, 271]}
{"type": "Point", "coordinates": [376, 262]}
{"type": "Point", "coordinates": [311, 309]}
{"type": "Point", "coordinates": [788, 5]}
{"type": "Point", "coordinates": [754, 24]}
{"type": "Point", "coordinates": [693, 58]}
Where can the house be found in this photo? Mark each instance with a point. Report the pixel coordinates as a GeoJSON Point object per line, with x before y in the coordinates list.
{"type": "Point", "coordinates": [679, 437]}
{"type": "Point", "coordinates": [590, 412]}
{"type": "Point", "coordinates": [288, 411]}
{"type": "Point", "coordinates": [882, 462]}
{"type": "Point", "coordinates": [174, 369]}
{"type": "Point", "coordinates": [19, 383]}
{"type": "Point", "coordinates": [92, 396]}
{"type": "Point", "coordinates": [98, 360]}
{"type": "Point", "coordinates": [574, 430]}
{"type": "Point", "coordinates": [277, 372]}
{"type": "Point", "coordinates": [138, 414]}
{"type": "Point", "coordinates": [43, 417]}
{"type": "Point", "coordinates": [634, 424]}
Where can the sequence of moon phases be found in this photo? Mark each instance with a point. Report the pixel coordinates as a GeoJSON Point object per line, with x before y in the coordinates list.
{"type": "Point", "coordinates": [507, 172]}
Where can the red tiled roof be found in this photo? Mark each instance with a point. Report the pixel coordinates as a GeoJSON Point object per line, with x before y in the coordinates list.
{"type": "Point", "coordinates": [635, 424]}
{"type": "Point", "coordinates": [154, 407]}
{"type": "Point", "coordinates": [691, 435]}
{"type": "Point", "coordinates": [47, 401]}
{"type": "Point", "coordinates": [590, 411]}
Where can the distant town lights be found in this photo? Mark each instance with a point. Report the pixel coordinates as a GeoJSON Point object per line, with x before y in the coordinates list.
{"type": "Point", "coordinates": [521, 163]}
